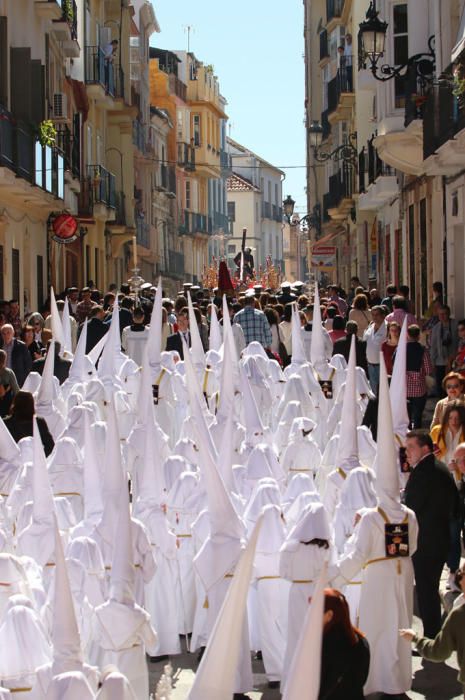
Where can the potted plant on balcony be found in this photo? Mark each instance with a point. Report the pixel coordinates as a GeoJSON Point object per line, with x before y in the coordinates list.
{"type": "Point", "coordinates": [47, 133]}
{"type": "Point", "coordinates": [68, 12]}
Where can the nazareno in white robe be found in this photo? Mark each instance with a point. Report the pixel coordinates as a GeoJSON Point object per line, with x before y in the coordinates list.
{"type": "Point", "coordinates": [386, 601]}
{"type": "Point", "coordinates": [122, 635]}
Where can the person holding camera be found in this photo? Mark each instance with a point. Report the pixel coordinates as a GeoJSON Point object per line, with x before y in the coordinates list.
{"type": "Point", "coordinates": [450, 638]}
{"type": "Point", "coordinates": [443, 348]}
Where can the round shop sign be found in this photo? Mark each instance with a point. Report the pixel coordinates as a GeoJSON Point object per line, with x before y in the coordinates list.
{"type": "Point", "coordinates": [64, 228]}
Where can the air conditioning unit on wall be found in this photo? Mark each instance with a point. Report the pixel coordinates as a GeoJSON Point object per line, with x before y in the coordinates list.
{"type": "Point", "coordinates": [60, 106]}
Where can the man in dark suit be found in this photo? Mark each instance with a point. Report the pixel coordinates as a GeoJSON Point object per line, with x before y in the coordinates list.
{"type": "Point", "coordinates": [174, 341]}
{"type": "Point", "coordinates": [342, 346]}
{"type": "Point", "coordinates": [431, 493]}
{"type": "Point", "coordinates": [61, 366]}
{"type": "Point", "coordinates": [96, 328]}
{"type": "Point", "coordinates": [18, 357]}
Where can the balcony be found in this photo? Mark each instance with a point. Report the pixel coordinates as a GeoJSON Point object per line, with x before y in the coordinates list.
{"type": "Point", "coordinates": [220, 222]}
{"type": "Point", "coordinates": [337, 12]}
{"type": "Point", "coordinates": [341, 97]}
{"type": "Point", "coordinates": [277, 213]}
{"type": "Point", "coordinates": [142, 231]}
{"type": "Point", "coordinates": [168, 180]}
{"type": "Point", "coordinates": [176, 263]}
{"type": "Point", "coordinates": [70, 148]}
{"type": "Point", "coordinates": [382, 180]}
{"type": "Point", "coordinates": [199, 223]}
{"type": "Point", "coordinates": [138, 135]}
{"type": "Point", "coordinates": [185, 225]}
{"type": "Point", "coordinates": [324, 48]}
{"type": "Point", "coordinates": [266, 210]}
{"type": "Point", "coordinates": [225, 163]}
{"type": "Point", "coordinates": [104, 78]}
{"type": "Point", "coordinates": [186, 156]}
{"type": "Point", "coordinates": [64, 28]}
{"type": "Point", "coordinates": [339, 201]}
{"type": "Point", "coordinates": [444, 128]}
{"type": "Point", "coordinates": [98, 194]}
{"type": "Point", "coordinates": [25, 163]}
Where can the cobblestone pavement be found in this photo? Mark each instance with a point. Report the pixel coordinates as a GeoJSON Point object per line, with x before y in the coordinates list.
{"type": "Point", "coordinates": [430, 681]}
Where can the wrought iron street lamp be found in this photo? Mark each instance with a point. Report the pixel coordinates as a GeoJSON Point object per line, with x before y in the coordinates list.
{"type": "Point", "coordinates": [372, 41]}
{"type": "Point", "coordinates": [305, 223]}
{"type": "Point", "coordinates": [347, 152]}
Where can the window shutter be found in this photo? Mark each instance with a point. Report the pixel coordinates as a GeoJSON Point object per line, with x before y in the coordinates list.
{"type": "Point", "coordinates": [38, 88]}
{"type": "Point", "coordinates": [21, 88]}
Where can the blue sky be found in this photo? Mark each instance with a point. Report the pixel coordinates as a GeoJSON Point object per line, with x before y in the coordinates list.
{"type": "Point", "coordinates": [256, 47]}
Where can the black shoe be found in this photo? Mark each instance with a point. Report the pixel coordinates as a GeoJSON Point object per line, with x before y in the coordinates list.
{"type": "Point", "coordinates": [258, 656]}
{"type": "Point", "coordinates": [273, 684]}
{"type": "Point", "coordinates": [200, 654]}
{"type": "Point", "coordinates": [241, 696]}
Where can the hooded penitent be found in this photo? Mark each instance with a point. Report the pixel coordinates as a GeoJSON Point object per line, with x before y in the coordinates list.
{"type": "Point", "coordinates": [56, 322]}
{"type": "Point", "coordinates": [37, 540]}
{"type": "Point", "coordinates": [386, 464]}
{"type": "Point", "coordinates": [347, 451]}
{"type": "Point", "coordinates": [214, 679]}
{"type": "Point", "coordinates": [82, 369]}
{"type": "Point", "coordinates": [196, 350]}
{"type": "Point", "coordinates": [66, 325]}
{"type": "Point", "coordinates": [317, 348]}
{"type": "Point", "coordinates": [153, 347]}
{"type": "Point", "coordinates": [110, 360]}
{"type": "Point", "coordinates": [215, 340]}
{"type": "Point", "coordinates": [398, 388]}
{"type": "Point", "coordinates": [67, 654]}
{"type": "Point", "coordinates": [298, 350]}
{"type": "Point", "coordinates": [304, 673]}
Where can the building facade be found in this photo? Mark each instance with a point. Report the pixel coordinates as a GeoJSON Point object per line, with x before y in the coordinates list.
{"type": "Point", "coordinates": [254, 192]}
{"type": "Point", "coordinates": [393, 208]}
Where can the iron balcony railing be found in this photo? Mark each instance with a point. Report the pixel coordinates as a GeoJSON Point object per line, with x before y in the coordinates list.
{"type": "Point", "coordinates": [186, 156]}
{"type": "Point", "coordinates": [334, 9]}
{"type": "Point", "coordinates": [443, 112]}
{"type": "Point", "coordinates": [70, 147]}
{"type": "Point", "coordinates": [168, 179]}
{"type": "Point", "coordinates": [103, 185]}
{"type": "Point", "coordinates": [266, 210]}
{"type": "Point", "coordinates": [376, 166]}
{"type": "Point", "coordinates": [341, 83]}
{"type": "Point", "coordinates": [341, 186]}
{"type": "Point", "coordinates": [103, 71]}
{"type": "Point", "coordinates": [142, 231]}
{"type": "Point", "coordinates": [138, 135]}
{"type": "Point", "coordinates": [225, 162]}
{"type": "Point", "coordinates": [176, 262]}
{"type": "Point", "coordinates": [220, 221]}
{"type": "Point", "coordinates": [21, 152]}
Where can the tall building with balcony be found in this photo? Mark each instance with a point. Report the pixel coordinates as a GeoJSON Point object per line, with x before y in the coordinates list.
{"type": "Point", "coordinates": [394, 213]}
{"type": "Point", "coordinates": [145, 219]}
{"type": "Point", "coordinates": [106, 198]}
{"type": "Point", "coordinates": [196, 158]}
{"type": "Point", "coordinates": [174, 158]}
{"type": "Point", "coordinates": [38, 40]}
{"type": "Point", "coordinates": [254, 191]}
{"type": "Point", "coordinates": [331, 100]}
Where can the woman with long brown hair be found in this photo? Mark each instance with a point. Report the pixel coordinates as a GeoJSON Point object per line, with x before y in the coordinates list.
{"type": "Point", "coordinates": [345, 655]}
{"type": "Point", "coordinates": [446, 437]}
